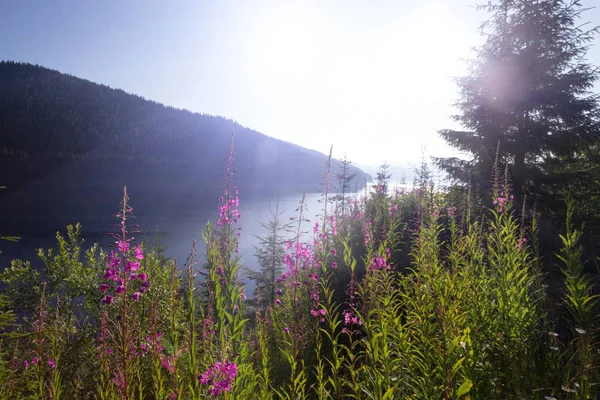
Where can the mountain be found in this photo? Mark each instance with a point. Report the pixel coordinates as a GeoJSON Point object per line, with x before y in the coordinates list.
{"type": "Point", "coordinates": [75, 142]}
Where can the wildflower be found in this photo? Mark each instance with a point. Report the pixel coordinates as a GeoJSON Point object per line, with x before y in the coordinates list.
{"type": "Point", "coordinates": [136, 296]}
{"type": "Point", "coordinates": [322, 311]}
{"type": "Point", "coordinates": [580, 331]}
{"type": "Point", "coordinates": [333, 225]}
{"type": "Point", "coordinates": [35, 360]}
{"type": "Point", "coordinates": [143, 277]}
{"type": "Point", "coordinates": [113, 261]}
{"type": "Point", "coordinates": [132, 266]}
{"type": "Point", "coordinates": [568, 390]}
{"type": "Point", "coordinates": [107, 299]}
{"type": "Point", "coordinates": [279, 292]}
{"type": "Point", "coordinates": [168, 364]}
{"type": "Point", "coordinates": [109, 274]}
{"type": "Point", "coordinates": [103, 287]}
{"type": "Point", "coordinates": [51, 363]}
{"type": "Point", "coordinates": [350, 319]}
{"type": "Point", "coordinates": [334, 265]}
{"type": "Point", "coordinates": [521, 242]}
{"type": "Point", "coordinates": [219, 377]}
{"type": "Point", "coordinates": [333, 252]}
{"type": "Point", "coordinates": [123, 246]}
{"type": "Point", "coordinates": [25, 364]}
{"type": "Point", "coordinates": [278, 302]}
{"type": "Point", "coordinates": [173, 395]}
{"type": "Point", "coordinates": [139, 254]}
{"type": "Point", "coordinates": [120, 289]}
{"type": "Point", "coordinates": [286, 330]}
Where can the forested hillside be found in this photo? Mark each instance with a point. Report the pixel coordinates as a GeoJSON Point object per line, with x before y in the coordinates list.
{"type": "Point", "coordinates": [59, 132]}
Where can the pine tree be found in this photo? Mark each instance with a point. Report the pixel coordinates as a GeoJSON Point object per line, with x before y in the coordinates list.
{"type": "Point", "coordinates": [269, 253]}
{"type": "Point", "coordinates": [344, 178]}
{"type": "Point", "coordinates": [382, 179]}
{"type": "Point", "coordinates": [526, 93]}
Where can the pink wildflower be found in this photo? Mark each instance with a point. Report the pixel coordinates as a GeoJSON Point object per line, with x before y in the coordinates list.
{"type": "Point", "coordinates": [139, 254]}
{"type": "Point", "coordinates": [123, 246]}
{"type": "Point", "coordinates": [219, 378]}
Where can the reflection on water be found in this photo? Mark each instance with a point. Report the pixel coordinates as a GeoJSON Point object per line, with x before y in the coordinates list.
{"type": "Point", "coordinates": [176, 228]}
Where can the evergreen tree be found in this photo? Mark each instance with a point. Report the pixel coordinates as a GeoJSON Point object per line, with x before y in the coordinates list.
{"type": "Point", "coordinates": [526, 93]}
{"type": "Point", "coordinates": [382, 179]}
{"type": "Point", "coordinates": [269, 253]}
{"type": "Point", "coordinates": [344, 178]}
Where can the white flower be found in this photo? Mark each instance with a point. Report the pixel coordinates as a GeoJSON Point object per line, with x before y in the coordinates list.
{"type": "Point", "coordinates": [568, 390]}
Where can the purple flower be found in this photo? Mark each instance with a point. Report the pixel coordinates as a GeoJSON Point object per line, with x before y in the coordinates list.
{"type": "Point", "coordinates": [278, 302]}
{"type": "Point", "coordinates": [143, 277]}
{"type": "Point", "coordinates": [139, 254]}
{"type": "Point", "coordinates": [122, 246]}
{"type": "Point", "coordinates": [333, 252]}
{"type": "Point", "coordinates": [168, 364]}
{"type": "Point", "coordinates": [25, 364]}
{"type": "Point", "coordinates": [132, 266]}
{"type": "Point", "coordinates": [103, 287]}
{"type": "Point", "coordinates": [109, 274]}
{"type": "Point", "coordinates": [279, 292]}
{"type": "Point", "coordinates": [113, 260]}
{"type": "Point", "coordinates": [51, 363]}
{"type": "Point", "coordinates": [219, 378]}
{"type": "Point", "coordinates": [286, 330]}
{"type": "Point", "coordinates": [107, 299]}
{"type": "Point", "coordinates": [334, 265]}
{"type": "Point", "coordinates": [35, 360]}
{"type": "Point", "coordinates": [136, 296]}
{"type": "Point", "coordinates": [120, 289]}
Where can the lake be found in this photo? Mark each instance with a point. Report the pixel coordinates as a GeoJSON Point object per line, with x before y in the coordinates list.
{"type": "Point", "coordinates": [178, 227]}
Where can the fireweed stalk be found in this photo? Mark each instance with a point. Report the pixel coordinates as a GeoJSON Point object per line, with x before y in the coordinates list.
{"type": "Point", "coordinates": [379, 301]}
{"type": "Point", "coordinates": [124, 285]}
{"type": "Point", "coordinates": [230, 361]}
{"type": "Point", "coordinates": [192, 301]}
{"type": "Point", "coordinates": [39, 358]}
{"type": "Point", "coordinates": [327, 311]}
{"type": "Point", "coordinates": [291, 308]}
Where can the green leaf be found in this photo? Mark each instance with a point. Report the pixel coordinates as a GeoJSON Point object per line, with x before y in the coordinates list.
{"type": "Point", "coordinates": [464, 388]}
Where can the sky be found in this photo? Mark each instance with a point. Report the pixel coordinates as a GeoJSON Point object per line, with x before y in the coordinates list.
{"type": "Point", "coordinates": [373, 78]}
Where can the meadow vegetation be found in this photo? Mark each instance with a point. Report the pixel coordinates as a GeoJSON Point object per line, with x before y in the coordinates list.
{"type": "Point", "coordinates": [458, 292]}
